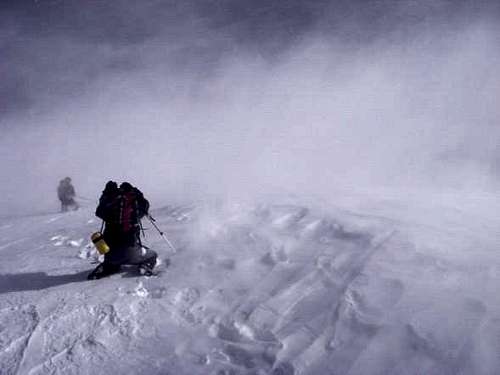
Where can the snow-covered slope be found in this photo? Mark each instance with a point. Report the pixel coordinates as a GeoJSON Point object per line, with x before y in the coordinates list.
{"type": "Point", "coordinates": [378, 288]}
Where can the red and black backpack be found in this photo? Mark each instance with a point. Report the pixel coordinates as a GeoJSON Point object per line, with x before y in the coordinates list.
{"type": "Point", "coordinates": [129, 216]}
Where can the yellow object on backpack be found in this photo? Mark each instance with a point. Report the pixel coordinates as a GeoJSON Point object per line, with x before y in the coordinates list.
{"type": "Point", "coordinates": [101, 245]}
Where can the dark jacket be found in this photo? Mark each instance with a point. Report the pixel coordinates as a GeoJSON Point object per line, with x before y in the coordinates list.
{"type": "Point", "coordinates": [66, 192]}
{"type": "Point", "coordinates": [121, 210]}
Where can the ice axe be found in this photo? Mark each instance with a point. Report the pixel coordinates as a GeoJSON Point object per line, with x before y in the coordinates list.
{"type": "Point", "coordinates": [153, 221]}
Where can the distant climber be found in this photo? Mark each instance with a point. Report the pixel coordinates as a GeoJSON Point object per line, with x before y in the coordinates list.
{"type": "Point", "coordinates": [66, 194]}
{"type": "Point", "coordinates": [121, 210]}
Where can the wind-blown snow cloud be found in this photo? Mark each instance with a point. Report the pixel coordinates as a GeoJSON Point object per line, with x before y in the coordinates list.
{"type": "Point", "coordinates": [231, 99]}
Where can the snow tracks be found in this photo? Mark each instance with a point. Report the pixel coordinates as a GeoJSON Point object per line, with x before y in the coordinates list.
{"type": "Point", "coordinates": [299, 306]}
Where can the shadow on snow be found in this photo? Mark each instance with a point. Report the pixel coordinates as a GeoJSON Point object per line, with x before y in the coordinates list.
{"type": "Point", "coordinates": [37, 281]}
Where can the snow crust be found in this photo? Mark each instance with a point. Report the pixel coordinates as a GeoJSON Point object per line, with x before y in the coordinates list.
{"type": "Point", "coordinates": [366, 286]}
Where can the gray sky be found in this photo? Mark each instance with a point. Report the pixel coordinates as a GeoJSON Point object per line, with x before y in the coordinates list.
{"type": "Point", "coordinates": [231, 97]}
{"type": "Point", "coordinates": [38, 38]}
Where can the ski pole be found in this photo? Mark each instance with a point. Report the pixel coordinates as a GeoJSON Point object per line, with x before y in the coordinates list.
{"type": "Point", "coordinates": [152, 220]}
{"type": "Point", "coordinates": [84, 198]}
{"type": "Point", "coordinates": [142, 229]}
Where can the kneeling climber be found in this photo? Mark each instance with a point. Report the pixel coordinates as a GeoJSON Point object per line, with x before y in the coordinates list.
{"type": "Point", "coordinates": [121, 209]}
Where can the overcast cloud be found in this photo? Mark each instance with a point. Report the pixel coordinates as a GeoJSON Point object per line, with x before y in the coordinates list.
{"type": "Point", "coordinates": [190, 99]}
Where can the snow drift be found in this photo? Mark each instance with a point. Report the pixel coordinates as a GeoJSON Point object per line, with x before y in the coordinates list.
{"type": "Point", "coordinates": [278, 288]}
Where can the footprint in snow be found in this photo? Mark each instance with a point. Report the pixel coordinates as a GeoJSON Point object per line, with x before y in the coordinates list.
{"type": "Point", "coordinates": [58, 240]}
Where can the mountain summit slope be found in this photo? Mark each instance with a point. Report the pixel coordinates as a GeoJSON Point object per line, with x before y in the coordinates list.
{"type": "Point", "coordinates": [257, 289]}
